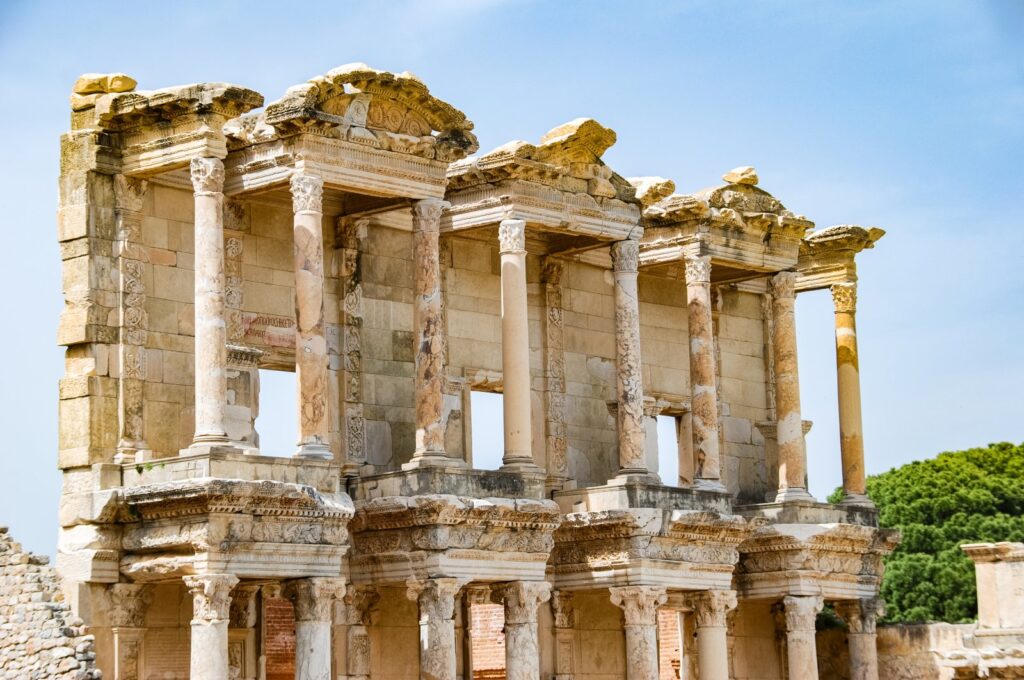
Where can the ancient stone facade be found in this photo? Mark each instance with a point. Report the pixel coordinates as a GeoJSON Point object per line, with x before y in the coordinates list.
{"type": "Point", "coordinates": [347, 233]}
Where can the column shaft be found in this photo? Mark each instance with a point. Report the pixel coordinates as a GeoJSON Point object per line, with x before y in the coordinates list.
{"type": "Point", "coordinates": [792, 450]}
{"type": "Point", "coordinates": [639, 606]}
{"type": "Point", "coordinates": [436, 599]}
{"type": "Point", "coordinates": [522, 652]}
{"type": "Point", "coordinates": [851, 439]}
{"type": "Point", "coordinates": [313, 600]}
{"type": "Point", "coordinates": [703, 385]}
{"type": "Point", "coordinates": [861, 617]}
{"type": "Point", "coordinates": [427, 324]}
{"type": "Point", "coordinates": [801, 648]}
{"type": "Point", "coordinates": [210, 326]}
{"type": "Point", "coordinates": [515, 347]}
{"type": "Point", "coordinates": [310, 340]}
{"type": "Point", "coordinates": [629, 374]}
{"type": "Point", "coordinates": [710, 609]}
{"type": "Point", "coordinates": [211, 604]}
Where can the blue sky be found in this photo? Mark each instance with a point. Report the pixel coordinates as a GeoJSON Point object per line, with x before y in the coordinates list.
{"type": "Point", "coordinates": [906, 115]}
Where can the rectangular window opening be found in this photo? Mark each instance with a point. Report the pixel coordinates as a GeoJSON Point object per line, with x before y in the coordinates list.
{"type": "Point", "coordinates": [487, 424]}
{"type": "Point", "coordinates": [668, 449]}
{"type": "Point", "coordinates": [277, 420]}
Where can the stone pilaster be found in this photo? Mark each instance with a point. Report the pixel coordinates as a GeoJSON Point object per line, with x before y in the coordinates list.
{"type": "Point", "coordinates": [429, 335]}
{"type": "Point", "coordinates": [554, 374]}
{"type": "Point", "coordinates": [242, 619]}
{"type": "Point", "coordinates": [851, 436]}
{"type": "Point", "coordinates": [358, 602]}
{"type": "Point", "coordinates": [710, 609]}
{"type": "Point", "coordinates": [861, 617]}
{"type": "Point", "coordinates": [211, 605]}
{"type": "Point", "coordinates": [703, 385]}
{"type": "Point", "coordinates": [792, 451]}
{"type": "Point", "coordinates": [310, 336]}
{"type": "Point", "coordinates": [629, 388]}
{"type": "Point", "coordinates": [436, 600]}
{"type": "Point", "coordinates": [639, 606]}
{"type": "Point", "coordinates": [564, 615]}
{"type": "Point", "coordinates": [801, 652]}
{"type": "Point", "coordinates": [210, 324]}
{"type": "Point", "coordinates": [127, 613]}
{"type": "Point", "coordinates": [515, 347]}
{"type": "Point", "coordinates": [352, 233]}
{"type": "Point", "coordinates": [522, 652]}
{"type": "Point", "coordinates": [313, 600]}
{"type": "Point", "coordinates": [132, 257]}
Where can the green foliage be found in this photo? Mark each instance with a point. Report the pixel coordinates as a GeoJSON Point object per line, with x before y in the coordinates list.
{"type": "Point", "coordinates": [973, 496]}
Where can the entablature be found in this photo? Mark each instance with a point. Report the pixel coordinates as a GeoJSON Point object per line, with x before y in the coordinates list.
{"type": "Point", "coordinates": [828, 256]}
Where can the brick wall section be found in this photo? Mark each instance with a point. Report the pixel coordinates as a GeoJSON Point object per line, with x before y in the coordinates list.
{"type": "Point", "coordinates": [488, 638]}
{"type": "Point", "coordinates": [668, 644]}
{"type": "Point", "coordinates": [39, 638]}
{"type": "Point", "coordinates": [279, 618]}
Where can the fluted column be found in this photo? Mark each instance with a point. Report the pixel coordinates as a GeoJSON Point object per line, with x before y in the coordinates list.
{"type": "Point", "coordinates": [429, 330]}
{"type": "Point", "coordinates": [851, 437]}
{"type": "Point", "coordinates": [629, 371]}
{"type": "Point", "coordinates": [703, 385]}
{"type": "Point", "coordinates": [710, 609]}
{"type": "Point", "coordinates": [210, 325]}
{"type": "Point", "coordinates": [128, 605]}
{"type": "Point", "coordinates": [522, 652]}
{"type": "Point", "coordinates": [313, 600]}
{"type": "Point", "coordinates": [800, 613]}
{"type": "Point", "coordinates": [211, 606]}
{"type": "Point", "coordinates": [639, 606]}
{"type": "Point", "coordinates": [436, 599]}
{"type": "Point", "coordinates": [792, 450]}
{"type": "Point", "coordinates": [310, 340]}
{"type": "Point", "coordinates": [515, 347]}
{"type": "Point", "coordinates": [861, 617]}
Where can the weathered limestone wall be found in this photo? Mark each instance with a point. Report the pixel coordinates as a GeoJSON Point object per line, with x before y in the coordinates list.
{"type": "Point", "coordinates": [905, 652]}
{"type": "Point", "coordinates": [601, 644]}
{"type": "Point", "coordinates": [39, 638]}
{"type": "Point", "coordinates": [754, 652]}
{"type": "Point", "coordinates": [394, 636]}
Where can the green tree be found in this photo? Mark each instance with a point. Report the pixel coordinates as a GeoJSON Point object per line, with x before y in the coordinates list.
{"type": "Point", "coordinates": [973, 496]}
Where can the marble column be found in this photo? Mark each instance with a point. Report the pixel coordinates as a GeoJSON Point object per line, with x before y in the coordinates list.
{"type": "Point", "coordinates": [436, 599]}
{"type": "Point", "coordinates": [128, 605]}
{"type": "Point", "coordinates": [851, 438]}
{"type": "Point", "coordinates": [429, 334]}
{"type": "Point", "coordinates": [564, 615]}
{"type": "Point", "coordinates": [210, 324]}
{"type": "Point", "coordinates": [639, 606]}
{"type": "Point", "coordinates": [710, 609]}
{"type": "Point", "coordinates": [801, 652]}
{"type": "Point", "coordinates": [313, 600]}
{"type": "Point", "coordinates": [310, 339]}
{"type": "Point", "coordinates": [522, 652]}
{"type": "Point", "coordinates": [703, 385]}
{"type": "Point", "coordinates": [792, 451]}
{"type": "Point", "coordinates": [211, 605]}
{"type": "Point", "coordinates": [861, 618]}
{"type": "Point", "coordinates": [629, 371]}
{"type": "Point", "coordinates": [515, 348]}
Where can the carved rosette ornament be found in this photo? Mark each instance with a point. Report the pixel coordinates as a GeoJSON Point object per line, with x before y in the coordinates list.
{"type": "Point", "coordinates": [211, 597]}
{"type": "Point", "coordinates": [711, 607]}
{"type": "Point", "coordinates": [844, 298]}
{"type": "Point", "coordinates": [698, 269]}
{"type": "Point", "coordinates": [313, 598]}
{"type": "Point", "coordinates": [307, 193]}
{"type": "Point", "coordinates": [512, 236]}
{"type": "Point", "coordinates": [128, 604]}
{"type": "Point", "coordinates": [207, 175]}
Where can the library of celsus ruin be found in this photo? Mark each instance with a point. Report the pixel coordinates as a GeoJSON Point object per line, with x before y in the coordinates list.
{"type": "Point", "coordinates": [351, 233]}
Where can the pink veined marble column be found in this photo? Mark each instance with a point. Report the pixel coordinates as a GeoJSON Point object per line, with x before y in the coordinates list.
{"type": "Point", "coordinates": [515, 348]}
{"type": "Point", "coordinates": [210, 325]}
{"type": "Point", "coordinates": [522, 651]}
{"type": "Point", "coordinates": [427, 325]}
{"type": "Point", "coordinates": [792, 450]}
{"type": "Point", "coordinates": [211, 608]}
{"type": "Point", "coordinates": [710, 610]}
{"type": "Point", "coordinates": [801, 649]}
{"type": "Point", "coordinates": [310, 338]}
{"type": "Point", "coordinates": [703, 385]}
{"type": "Point", "coordinates": [436, 599]}
{"type": "Point", "coordinates": [313, 600]}
{"type": "Point", "coordinates": [629, 371]}
{"type": "Point", "coordinates": [851, 437]}
{"type": "Point", "coordinates": [861, 617]}
{"type": "Point", "coordinates": [639, 606]}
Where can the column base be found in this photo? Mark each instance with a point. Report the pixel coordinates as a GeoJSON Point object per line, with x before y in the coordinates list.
{"type": "Point", "coordinates": [206, 448]}
{"type": "Point", "coordinates": [521, 465]}
{"type": "Point", "coordinates": [709, 485]}
{"type": "Point", "coordinates": [794, 494]}
{"type": "Point", "coordinates": [316, 451]}
{"type": "Point", "coordinates": [635, 477]}
{"type": "Point", "coordinates": [857, 500]}
{"type": "Point", "coordinates": [433, 460]}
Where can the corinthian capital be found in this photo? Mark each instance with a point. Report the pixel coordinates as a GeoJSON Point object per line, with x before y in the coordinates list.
{"type": "Point", "coordinates": [861, 615]}
{"type": "Point", "coordinates": [211, 597]}
{"type": "Point", "coordinates": [129, 193]}
{"type": "Point", "coordinates": [639, 604]}
{"type": "Point", "coordinates": [710, 607]}
{"type": "Point", "coordinates": [512, 236]}
{"type": "Point", "coordinates": [307, 193]}
{"type": "Point", "coordinates": [844, 297]}
{"type": "Point", "coordinates": [128, 604]}
{"type": "Point", "coordinates": [426, 214]}
{"type": "Point", "coordinates": [436, 596]}
{"type": "Point", "coordinates": [698, 269]}
{"type": "Point", "coordinates": [784, 285]}
{"type": "Point", "coordinates": [313, 598]}
{"type": "Point", "coordinates": [207, 175]}
{"type": "Point", "coordinates": [801, 611]}
{"type": "Point", "coordinates": [521, 599]}
{"type": "Point", "coordinates": [626, 255]}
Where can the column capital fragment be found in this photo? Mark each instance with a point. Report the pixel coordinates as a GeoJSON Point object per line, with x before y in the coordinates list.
{"type": "Point", "coordinates": [783, 285]}
{"type": "Point", "coordinates": [521, 599]}
{"type": "Point", "coordinates": [207, 175]}
{"type": "Point", "coordinates": [625, 255]}
{"type": "Point", "coordinates": [307, 193]}
{"type": "Point", "coordinates": [697, 269]}
{"type": "Point", "coordinates": [313, 598]}
{"type": "Point", "coordinates": [512, 236]}
{"type": "Point", "coordinates": [861, 616]}
{"type": "Point", "coordinates": [128, 604]}
{"type": "Point", "coordinates": [844, 297]}
{"type": "Point", "coordinates": [639, 604]}
{"type": "Point", "coordinates": [426, 214]}
{"type": "Point", "coordinates": [710, 607]}
{"type": "Point", "coordinates": [211, 597]}
{"type": "Point", "coordinates": [801, 611]}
